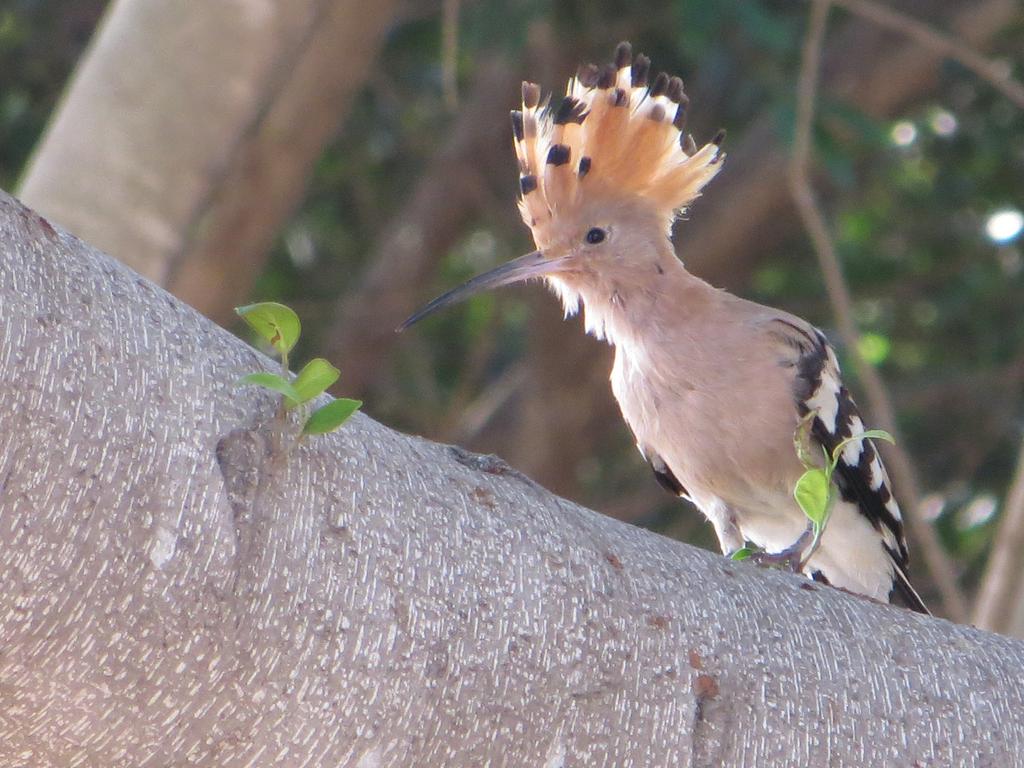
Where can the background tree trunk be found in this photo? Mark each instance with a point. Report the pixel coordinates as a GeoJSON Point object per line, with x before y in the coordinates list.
{"type": "Point", "coordinates": [178, 590]}
{"type": "Point", "coordinates": [188, 132]}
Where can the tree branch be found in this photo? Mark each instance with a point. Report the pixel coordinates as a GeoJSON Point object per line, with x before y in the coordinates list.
{"type": "Point", "coordinates": [448, 195]}
{"type": "Point", "coordinates": [859, 65]}
{"type": "Point", "coordinates": [999, 76]}
{"type": "Point", "coordinates": [233, 230]}
{"type": "Point", "coordinates": [178, 593]}
{"type": "Point", "coordinates": [998, 594]}
{"type": "Point", "coordinates": [450, 53]}
{"type": "Point", "coordinates": [879, 403]}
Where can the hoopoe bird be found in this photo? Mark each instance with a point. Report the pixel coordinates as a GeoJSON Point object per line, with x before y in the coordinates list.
{"type": "Point", "coordinates": [713, 387]}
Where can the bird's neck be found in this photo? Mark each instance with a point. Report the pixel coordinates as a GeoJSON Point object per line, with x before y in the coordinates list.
{"type": "Point", "coordinates": [637, 306]}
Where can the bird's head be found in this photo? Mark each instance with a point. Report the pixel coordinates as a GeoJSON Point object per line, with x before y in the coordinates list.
{"type": "Point", "coordinates": [602, 175]}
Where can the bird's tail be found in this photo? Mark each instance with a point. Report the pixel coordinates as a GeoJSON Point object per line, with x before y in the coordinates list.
{"type": "Point", "coordinates": [906, 594]}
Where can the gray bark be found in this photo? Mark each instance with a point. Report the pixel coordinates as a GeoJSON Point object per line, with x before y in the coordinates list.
{"type": "Point", "coordinates": [179, 592]}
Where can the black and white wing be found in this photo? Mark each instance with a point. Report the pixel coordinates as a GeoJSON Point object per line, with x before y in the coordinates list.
{"type": "Point", "coordinates": [860, 474]}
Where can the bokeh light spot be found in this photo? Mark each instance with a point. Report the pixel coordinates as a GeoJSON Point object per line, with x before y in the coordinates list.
{"type": "Point", "coordinates": [903, 133]}
{"type": "Point", "coordinates": [1004, 225]}
{"type": "Point", "coordinates": [874, 348]}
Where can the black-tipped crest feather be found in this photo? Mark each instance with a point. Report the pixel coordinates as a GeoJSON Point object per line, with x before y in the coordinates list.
{"type": "Point", "coordinates": [570, 110]}
{"type": "Point", "coordinates": [623, 55]}
{"type": "Point", "coordinates": [610, 134]}
{"type": "Point", "coordinates": [517, 125]}
{"type": "Point", "coordinates": [559, 154]}
{"type": "Point", "coordinates": [640, 71]}
{"type": "Point", "coordinates": [531, 95]}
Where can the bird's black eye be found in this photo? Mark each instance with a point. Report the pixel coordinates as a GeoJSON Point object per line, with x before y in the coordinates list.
{"type": "Point", "coordinates": [596, 235]}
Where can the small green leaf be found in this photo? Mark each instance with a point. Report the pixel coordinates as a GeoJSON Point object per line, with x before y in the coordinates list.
{"type": "Point", "coordinates": [275, 383]}
{"type": "Point", "coordinates": [331, 416]}
{"type": "Point", "coordinates": [802, 440]}
{"type": "Point", "coordinates": [874, 434]}
{"type": "Point", "coordinates": [276, 323]}
{"type": "Point", "coordinates": [316, 376]}
{"type": "Point", "coordinates": [743, 553]}
{"type": "Point", "coordinates": [812, 494]}
{"type": "Point", "coordinates": [877, 434]}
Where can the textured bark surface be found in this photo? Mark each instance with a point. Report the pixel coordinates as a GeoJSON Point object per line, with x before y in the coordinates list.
{"type": "Point", "coordinates": [177, 591]}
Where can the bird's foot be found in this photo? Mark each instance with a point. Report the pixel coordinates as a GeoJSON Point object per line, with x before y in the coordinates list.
{"type": "Point", "coordinates": [788, 559]}
{"type": "Point", "coordinates": [792, 558]}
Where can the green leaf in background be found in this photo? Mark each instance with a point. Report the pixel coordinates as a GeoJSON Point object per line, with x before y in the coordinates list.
{"type": "Point", "coordinates": [316, 376]}
{"type": "Point", "coordinates": [873, 434]}
{"type": "Point", "coordinates": [275, 322]}
{"type": "Point", "coordinates": [274, 383]}
{"type": "Point", "coordinates": [812, 494]}
{"type": "Point", "coordinates": [774, 31]}
{"type": "Point", "coordinates": [331, 416]}
{"type": "Point", "coordinates": [874, 347]}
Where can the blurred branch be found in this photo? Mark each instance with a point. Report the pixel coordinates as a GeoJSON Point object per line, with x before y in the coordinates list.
{"type": "Point", "coordinates": [268, 172]}
{"type": "Point", "coordinates": [444, 200]}
{"type": "Point", "coordinates": [1000, 588]}
{"type": "Point", "coordinates": [568, 414]}
{"type": "Point", "coordinates": [472, 375]}
{"type": "Point", "coordinates": [859, 67]}
{"type": "Point", "coordinates": [124, 162]}
{"type": "Point", "coordinates": [938, 562]}
{"type": "Point", "coordinates": [477, 414]}
{"type": "Point", "coordinates": [450, 52]}
{"type": "Point", "coordinates": [996, 74]}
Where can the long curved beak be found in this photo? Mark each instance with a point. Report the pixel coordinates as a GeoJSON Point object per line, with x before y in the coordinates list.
{"type": "Point", "coordinates": [531, 265]}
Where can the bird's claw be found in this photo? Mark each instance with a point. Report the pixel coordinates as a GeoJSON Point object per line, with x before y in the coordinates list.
{"type": "Point", "coordinates": [792, 558]}
{"type": "Point", "coordinates": [789, 559]}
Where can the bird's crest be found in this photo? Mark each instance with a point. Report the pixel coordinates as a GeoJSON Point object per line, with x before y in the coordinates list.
{"type": "Point", "coordinates": [613, 135]}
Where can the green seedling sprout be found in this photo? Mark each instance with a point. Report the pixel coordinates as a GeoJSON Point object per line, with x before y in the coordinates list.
{"type": "Point", "coordinates": [279, 326]}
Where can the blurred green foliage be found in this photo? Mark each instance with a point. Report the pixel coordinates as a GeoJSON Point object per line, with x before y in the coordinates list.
{"type": "Point", "coordinates": [40, 41]}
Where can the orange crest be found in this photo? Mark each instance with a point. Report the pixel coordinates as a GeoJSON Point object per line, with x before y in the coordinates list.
{"type": "Point", "coordinates": [612, 135]}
